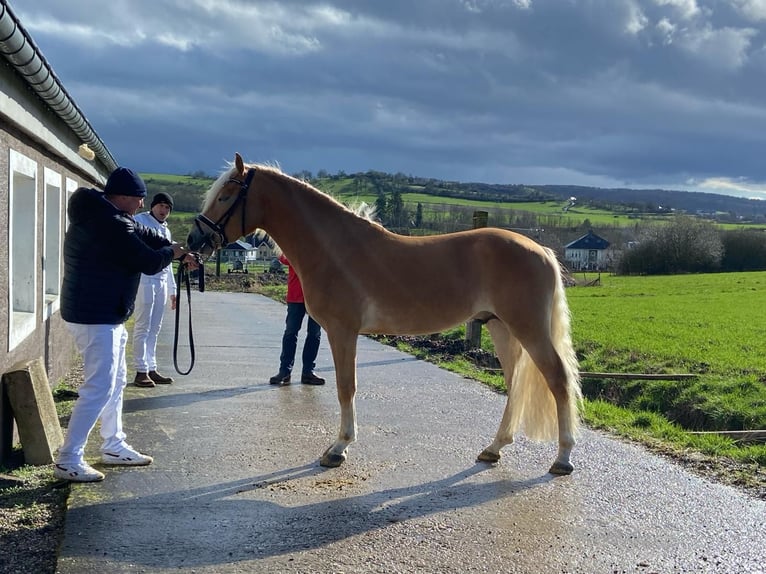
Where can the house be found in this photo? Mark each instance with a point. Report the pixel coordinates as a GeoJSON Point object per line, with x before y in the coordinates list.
{"type": "Point", "coordinates": [238, 250]}
{"type": "Point", "coordinates": [265, 248]}
{"type": "Point", "coordinates": [47, 150]}
{"type": "Point", "coordinates": [588, 253]}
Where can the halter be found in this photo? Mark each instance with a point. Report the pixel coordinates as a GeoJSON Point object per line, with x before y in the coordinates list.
{"type": "Point", "coordinates": [217, 233]}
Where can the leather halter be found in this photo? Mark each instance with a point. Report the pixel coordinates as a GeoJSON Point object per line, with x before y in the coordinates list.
{"type": "Point", "coordinates": [217, 233]}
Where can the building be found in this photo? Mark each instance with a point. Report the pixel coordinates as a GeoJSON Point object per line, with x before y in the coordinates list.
{"type": "Point", "coordinates": [587, 253]}
{"type": "Point", "coordinates": [265, 248]}
{"type": "Point", "coordinates": [47, 150]}
{"type": "Point", "coordinates": [238, 250]}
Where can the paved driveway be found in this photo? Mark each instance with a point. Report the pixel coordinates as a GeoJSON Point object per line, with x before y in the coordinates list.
{"type": "Point", "coordinates": [236, 485]}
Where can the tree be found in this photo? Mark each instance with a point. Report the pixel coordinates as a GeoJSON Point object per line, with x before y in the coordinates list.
{"type": "Point", "coordinates": [685, 245]}
{"type": "Point", "coordinates": [397, 213]}
{"type": "Point", "coordinates": [419, 215]}
{"type": "Point", "coordinates": [381, 206]}
{"type": "Point", "coordinates": [744, 250]}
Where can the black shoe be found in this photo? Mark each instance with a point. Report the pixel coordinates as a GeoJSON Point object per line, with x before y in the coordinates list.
{"type": "Point", "coordinates": [311, 379]}
{"type": "Point", "coordinates": [280, 379]}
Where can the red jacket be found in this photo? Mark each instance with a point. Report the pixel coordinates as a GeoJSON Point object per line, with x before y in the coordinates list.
{"type": "Point", "coordinates": [294, 287]}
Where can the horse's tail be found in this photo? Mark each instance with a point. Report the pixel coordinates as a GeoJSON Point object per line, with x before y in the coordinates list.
{"type": "Point", "coordinates": [533, 404]}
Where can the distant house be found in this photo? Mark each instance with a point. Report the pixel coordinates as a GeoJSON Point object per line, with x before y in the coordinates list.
{"type": "Point", "coordinates": [238, 250]}
{"type": "Point", "coordinates": [588, 253]}
{"type": "Point", "coordinates": [47, 150]}
{"type": "Point", "coordinates": [265, 248]}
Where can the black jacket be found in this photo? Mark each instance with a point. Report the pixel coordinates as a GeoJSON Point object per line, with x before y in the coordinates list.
{"type": "Point", "coordinates": [105, 252]}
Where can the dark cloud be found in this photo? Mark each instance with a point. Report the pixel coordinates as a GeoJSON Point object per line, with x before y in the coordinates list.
{"type": "Point", "coordinates": [594, 92]}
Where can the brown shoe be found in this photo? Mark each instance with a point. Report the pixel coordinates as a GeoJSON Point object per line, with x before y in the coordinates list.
{"type": "Point", "coordinates": [159, 379]}
{"type": "Point", "coordinates": [143, 380]}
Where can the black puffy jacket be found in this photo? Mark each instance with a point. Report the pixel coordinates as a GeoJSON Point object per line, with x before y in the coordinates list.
{"type": "Point", "coordinates": [105, 252]}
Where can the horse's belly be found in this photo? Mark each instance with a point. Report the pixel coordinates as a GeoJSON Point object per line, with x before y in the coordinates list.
{"type": "Point", "coordinates": [413, 318]}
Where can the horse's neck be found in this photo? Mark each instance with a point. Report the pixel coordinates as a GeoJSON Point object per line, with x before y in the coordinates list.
{"type": "Point", "coordinates": [304, 222]}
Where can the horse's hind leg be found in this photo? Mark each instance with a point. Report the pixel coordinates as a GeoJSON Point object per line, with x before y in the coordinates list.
{"type": "Point", "coordinates": [508, 351]}
{"type": "Point", "coordinates": [556, 376]}
{"type": "Point", "coordinates": [343, 346]}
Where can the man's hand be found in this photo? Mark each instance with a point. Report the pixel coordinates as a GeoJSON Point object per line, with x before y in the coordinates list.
{"type": "Point", "coordinates": [178, 250]}
{"type": "Point", "coordinates": [172, 302]}
{"type": "Point", "coordinates": [191, 259]}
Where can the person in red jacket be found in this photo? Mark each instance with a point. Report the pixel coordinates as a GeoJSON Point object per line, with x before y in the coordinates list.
{"type": "Point", "coordinates": [296, 310]}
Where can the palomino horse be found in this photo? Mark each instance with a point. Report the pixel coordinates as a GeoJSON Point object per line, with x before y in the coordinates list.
{"type": "Point", "coordinates": [359, 278]}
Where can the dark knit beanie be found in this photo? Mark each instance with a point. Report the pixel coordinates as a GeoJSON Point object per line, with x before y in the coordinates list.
{"type": "Point", "coordinates": [124, 181]}
{"type": "Point", "coordinates": [162, 197]}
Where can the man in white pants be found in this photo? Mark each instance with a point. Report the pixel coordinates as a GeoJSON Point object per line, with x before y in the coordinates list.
{"type": "Point", "coordinates": [152, 296]}
{"type": "Point", "coordinates": [105, 252]}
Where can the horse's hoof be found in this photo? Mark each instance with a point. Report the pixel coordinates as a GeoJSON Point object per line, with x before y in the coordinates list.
{"type": "Point", "coordinates": [332, 460]}
{"type": "Point", "coordinates": [488, 456]}
{"type": "Point", "coordinates": [561, 468]}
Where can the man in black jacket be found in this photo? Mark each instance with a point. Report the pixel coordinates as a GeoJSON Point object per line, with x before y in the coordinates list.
{"type": "Point", "coordinates": [105, 252]}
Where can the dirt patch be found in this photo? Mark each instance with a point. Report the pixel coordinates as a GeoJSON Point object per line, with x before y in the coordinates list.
{"type": "Point", "coordinates": [444, 348]}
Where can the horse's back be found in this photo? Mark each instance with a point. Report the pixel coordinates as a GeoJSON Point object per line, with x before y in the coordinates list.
{"type": "Point", "coordinates": [409, 285]}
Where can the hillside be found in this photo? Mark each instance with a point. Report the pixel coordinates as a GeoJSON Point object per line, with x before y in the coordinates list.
{"type": "Point", "coordinates": [189, 190]}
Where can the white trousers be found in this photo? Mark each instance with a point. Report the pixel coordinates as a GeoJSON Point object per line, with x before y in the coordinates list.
{"type": "Point", "coordinates": [105, 375]}
{"type": "Point", "coordinates": [150, 307]}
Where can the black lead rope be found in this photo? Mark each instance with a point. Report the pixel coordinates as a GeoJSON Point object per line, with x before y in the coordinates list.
{"type": "Point", "coordinates": [182, 277]}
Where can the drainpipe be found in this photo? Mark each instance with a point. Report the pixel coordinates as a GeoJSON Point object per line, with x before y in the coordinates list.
{"type": "Point", "coordinates": [17, 47]}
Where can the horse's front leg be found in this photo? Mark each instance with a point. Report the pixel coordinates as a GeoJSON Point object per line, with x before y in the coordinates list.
{"type": "Point", "coordinates": [343, 346]}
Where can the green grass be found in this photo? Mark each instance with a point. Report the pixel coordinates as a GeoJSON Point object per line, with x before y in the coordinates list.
{"type": "Point", "coordinates": [711, 323]}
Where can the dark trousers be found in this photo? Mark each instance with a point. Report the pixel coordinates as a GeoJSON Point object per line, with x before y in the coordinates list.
{"type": "Point", "coordinates": [295, 314]}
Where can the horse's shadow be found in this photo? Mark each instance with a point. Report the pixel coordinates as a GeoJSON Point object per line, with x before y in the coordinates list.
{"type": "Point", "coordinates": [222, 524]}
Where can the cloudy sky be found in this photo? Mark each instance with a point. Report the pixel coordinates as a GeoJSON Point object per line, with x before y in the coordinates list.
{"type": "Point", "coordinates": [636, 93]}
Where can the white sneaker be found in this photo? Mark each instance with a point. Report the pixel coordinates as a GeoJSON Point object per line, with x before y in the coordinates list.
{"type": "Point", "coordinates": [82, 472]}
{"type": "Point", "coordinates": [126, 456]}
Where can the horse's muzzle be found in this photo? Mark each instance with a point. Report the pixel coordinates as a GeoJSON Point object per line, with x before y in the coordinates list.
{"type": "Point", "coordinates": [200, 242]}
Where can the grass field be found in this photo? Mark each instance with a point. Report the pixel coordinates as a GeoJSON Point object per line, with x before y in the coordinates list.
{"type": "Point", "coordinates": [710, 323]}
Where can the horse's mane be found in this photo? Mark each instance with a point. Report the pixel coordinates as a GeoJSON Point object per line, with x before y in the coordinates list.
{"type": "Point", "coordinates": [362, 210]}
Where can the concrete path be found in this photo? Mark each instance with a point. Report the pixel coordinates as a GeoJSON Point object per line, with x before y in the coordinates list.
{"type": "Point", "coordinates": [236, 486]}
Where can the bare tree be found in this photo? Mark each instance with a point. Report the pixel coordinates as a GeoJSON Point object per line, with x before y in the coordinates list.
{"type": "Point", "coordinates": [684, 245]}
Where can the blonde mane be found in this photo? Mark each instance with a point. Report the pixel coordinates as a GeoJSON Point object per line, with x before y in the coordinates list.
{"type": "Point", "coordinates": [362, 210]}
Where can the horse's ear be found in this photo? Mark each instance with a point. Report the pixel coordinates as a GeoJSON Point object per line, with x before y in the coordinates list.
{"type": "Point", "coordinates": [238, 163]}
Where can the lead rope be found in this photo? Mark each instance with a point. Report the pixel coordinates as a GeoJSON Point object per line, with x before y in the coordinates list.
{"type": "Point", "coordinates": [182, 277]}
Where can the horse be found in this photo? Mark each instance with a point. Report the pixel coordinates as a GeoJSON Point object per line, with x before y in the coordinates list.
{"type": "Point", "coordinates": [359, 278]}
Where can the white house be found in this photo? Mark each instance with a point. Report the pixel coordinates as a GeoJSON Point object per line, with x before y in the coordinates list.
{"type": "Point", "coordinates": [238, 250]}
{"type": "Point", "coordinates": [588, 253]}
{"type": "Point", "coordinates": [264, 247]}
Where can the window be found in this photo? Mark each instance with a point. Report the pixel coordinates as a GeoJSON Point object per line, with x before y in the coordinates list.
{"type": "Point", "coordinates": [71, 186]}
{"type": "Point", "coordinates": [52, 241]}
{"type": "Point", "coordinates": [22, 247]}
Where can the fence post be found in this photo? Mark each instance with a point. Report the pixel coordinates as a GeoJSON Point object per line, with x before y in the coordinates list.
{"type": "Point", "coordinates": [473, 328]}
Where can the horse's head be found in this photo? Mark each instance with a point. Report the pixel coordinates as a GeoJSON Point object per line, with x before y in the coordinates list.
{"type": "Point", "coordinates": [223, 215]}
